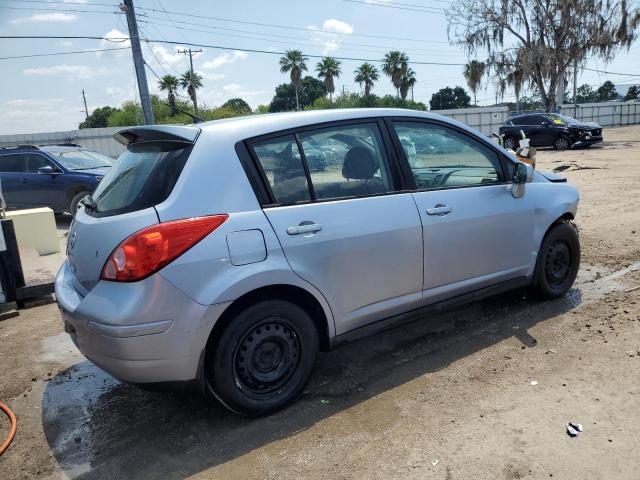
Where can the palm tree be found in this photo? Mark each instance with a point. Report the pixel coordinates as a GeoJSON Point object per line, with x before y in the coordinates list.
{"type": "Point", "coordinates": [170, 84]}
{"type": "Point", "coordinates": [394, 65]}
{"type": "Point", "coordinates": [366, 74]}
{"type": "Point", "coordinates": [473, 72]}
{"type": "Point", "coordinates": [407, 81]}
{"type": "Point", "coordinates": [328, 68]}
{"type": "Point", "coordinates": [294, 63]}
{"type": "Point", "coordinates": [191, 81]}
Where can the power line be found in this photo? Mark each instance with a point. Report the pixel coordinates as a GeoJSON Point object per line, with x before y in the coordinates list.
{"type": "Point", "coordinates": [59, 10]}
{"type": "Point", "coordinates": [64, 53]}
{"type": "Point", "coordinates": [398, 6]}
{"type": "Point", "coordinates": [65, 3]}
{"type": "Point", "coordinates": [218, 47]}
{"type": "Point", "coordinates": [289, 27]}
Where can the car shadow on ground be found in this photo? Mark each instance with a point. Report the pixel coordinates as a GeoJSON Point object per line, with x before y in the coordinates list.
{"type": "Point", "coordinates": [98, 427]}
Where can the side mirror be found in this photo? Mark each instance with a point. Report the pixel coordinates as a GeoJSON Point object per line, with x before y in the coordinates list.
{"type": "Point", "coordinates": [545, 123]}
{"type": "Point", "coordinates": [46, 170]}
{"type": "Point", "coordinates": [520, 174]}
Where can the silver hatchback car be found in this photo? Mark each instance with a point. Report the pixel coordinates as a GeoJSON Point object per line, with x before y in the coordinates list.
{"type": "Point", "coordinates": [227, 254]}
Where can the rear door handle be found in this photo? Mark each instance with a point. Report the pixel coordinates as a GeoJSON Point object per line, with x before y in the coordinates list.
{"type": "Point", "coordinates": [439, 209]}
{"type": "Point", "coordinates": [304, 228]}
{"type": "Point", "coordinates": [24, 180]}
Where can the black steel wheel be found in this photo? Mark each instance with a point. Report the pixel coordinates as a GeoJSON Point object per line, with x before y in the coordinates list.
{"type": "Point", "coordinates": [263, 358]}
{"type": "Point", "coordinates": [558, 261]}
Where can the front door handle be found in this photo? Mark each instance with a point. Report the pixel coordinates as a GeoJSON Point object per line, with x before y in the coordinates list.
{"type": "Point", "coordinates": [439, 209]}
{"type": "Point", "coordinates": [304, 228]}
{"type": "Point", "coordinates": [24, 180]}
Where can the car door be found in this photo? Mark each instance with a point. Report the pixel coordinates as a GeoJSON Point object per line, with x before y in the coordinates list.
{"type": "Point", "coordinates": [345, 229]}
{"type": "Point", "coordinates": [475, 232]}
{"type": "Point", "coordinates": [541, 132]}
{"type": "Point", "coordinates": [12, 169]}
{"type": "Point", "coordinates": [43, 189]}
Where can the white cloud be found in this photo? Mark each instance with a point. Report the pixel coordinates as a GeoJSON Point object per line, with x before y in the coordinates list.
{"type": "Point", "coordinates": [76, 1]}
{"type": "Point", "coordinates": [224, 59]}
{"type": "Point", "coordinates": [217, 96]}
{"type": "Point", "coordinates": [171, 58]}
{"type": "Point", "coordinates": [337, 26]}
{"type": "Point", "coordinates": [66, 43]}
{"type": "Point", "coordinates": [70, 71]}
{"type": "Point", "coordinates": [46, 17]}
{"type": "Point", "coordinates": [32, 102]}
{"type": "Point", "coordinates": [27, 115]}
{"type": "Point", "coordinates": [113, 38]}
{"type": "Point", "coordinates": [212, 76]}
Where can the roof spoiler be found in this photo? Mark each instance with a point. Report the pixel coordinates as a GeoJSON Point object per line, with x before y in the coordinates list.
{"type": "Point", "coordinates": [170, 133]}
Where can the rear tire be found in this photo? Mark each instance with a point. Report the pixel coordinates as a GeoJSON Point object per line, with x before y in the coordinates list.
{"type": "Point", "coordinates": [75, 201]}
{"type": "Point", "coordinates": [558, 261]}
{"type": "Point", "coordinates": [263, 359]}
{"type": "Point", "coordinates": [561, 143]}
{"type": "Point", "coordinates": [510, 143]}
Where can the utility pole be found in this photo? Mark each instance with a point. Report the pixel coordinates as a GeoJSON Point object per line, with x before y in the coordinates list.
{"type": "Point", "coordinates": [192, 94]}
{"type": "Point", "coordinates": [575, 88]}
{"type": "Point", "coordinates": [138, 61]}
{"type": "Point", "coordinates": [86, 111]}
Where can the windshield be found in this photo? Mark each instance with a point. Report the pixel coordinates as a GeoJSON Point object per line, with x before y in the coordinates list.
{"type": "Point", "coordinates": [561, 119]}
{"type": "Point", "coordinates": [81, 159]}
{"type": "Point", "coordinates": [143, 176]}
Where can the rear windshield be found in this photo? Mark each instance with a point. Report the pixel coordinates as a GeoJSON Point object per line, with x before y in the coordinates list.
{"type": "Point", "coordinates": [143, 176]}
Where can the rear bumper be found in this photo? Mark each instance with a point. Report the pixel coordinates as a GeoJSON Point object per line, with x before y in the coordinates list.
{"type": "Point", "coordinates": [141, 332]}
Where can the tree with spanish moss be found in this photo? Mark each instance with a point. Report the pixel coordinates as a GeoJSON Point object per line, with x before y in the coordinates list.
{"type": "Point", "coordinates": [544, 38]}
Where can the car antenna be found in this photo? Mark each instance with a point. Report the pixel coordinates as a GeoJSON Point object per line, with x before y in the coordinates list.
{"type": "Point", "coordinates": [195, 118]}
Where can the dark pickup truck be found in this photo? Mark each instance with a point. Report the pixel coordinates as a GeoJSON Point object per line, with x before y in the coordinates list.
{"type": "Point", "coordinates": [550, 130]}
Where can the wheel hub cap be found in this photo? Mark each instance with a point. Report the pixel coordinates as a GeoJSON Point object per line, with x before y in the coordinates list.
{"type": "Point", "coordinates": [267, 357]}
{"type": "Point", "coordinates": [558, 262]}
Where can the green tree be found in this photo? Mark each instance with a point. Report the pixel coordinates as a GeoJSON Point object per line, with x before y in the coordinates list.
{"type": "Point", "coordinates": [366, 74]}
{"type": "Point", "coordinates": [262, 109]}
{"type": "Point", "coordinates": [448, 97]}
{"type": "Point", "coordinates": [473, 73]}
{"type": "Point", "coordinates": [327, 69]}
{"type": "Point", "coordinates": [294, 63]}
{"type": "Point", "coordinates": [288, 97]}
{"type": "Point", "coordinates": [545, 38]}
{"type": "Point", "coordinates": [129, 114]}
{"type": "Point", "coordinates": [170, 84]}
{"type": "Point", "coordinates": [99, 118]}
{"type": "Point", "coordinates": [394, 66]}
{"type": "Point", "coordinates": [407, 81]}
{"type": "Point", "coordinates": [606, 91]}
{"type": "Point", "coordinates": [633, 93]}
{"type": "Point", "coordinates": [356, 100]}
{"type": "Point", "coordinates": [192, 81]}
{"type": "Point", "coordinates": [585, 94]}
{"type": "Point", "coordinates": [237, 105]}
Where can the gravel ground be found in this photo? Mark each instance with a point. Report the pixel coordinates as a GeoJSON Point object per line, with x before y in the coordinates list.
{"type": "Point", "coordinates": [479, 392]}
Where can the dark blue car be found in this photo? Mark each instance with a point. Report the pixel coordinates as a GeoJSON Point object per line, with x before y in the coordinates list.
{"type": "Point", "coordinates": [54, 176]}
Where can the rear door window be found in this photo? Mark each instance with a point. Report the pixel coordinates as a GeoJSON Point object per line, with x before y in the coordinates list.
{"type": "Point", "coordinates": [142, 177]}
{"type": "Point", "coordinates": [346, 161]}
{"type": "Point", "coordinates": [35, 161]}
{"type": "Point", "coordinates": [13, 163]}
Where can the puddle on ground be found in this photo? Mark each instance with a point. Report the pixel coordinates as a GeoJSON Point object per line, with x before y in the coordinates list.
{"type": "Point", "coordinates": [66, 404]}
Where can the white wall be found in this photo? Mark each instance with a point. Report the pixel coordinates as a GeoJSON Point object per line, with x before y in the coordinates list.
{"type": "Point", "coordinates": [98, 139]}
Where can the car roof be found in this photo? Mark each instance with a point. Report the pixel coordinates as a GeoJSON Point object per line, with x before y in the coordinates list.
{"type": "Point", "coordinates": [240, 128]}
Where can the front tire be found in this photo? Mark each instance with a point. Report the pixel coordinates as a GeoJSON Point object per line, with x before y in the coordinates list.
{"type": "Point", "coordinates": [510, 143]}
{"type": "Point", "coordinates": [75, 201]}
{"type": "Point", "coordinates": [558, 261]}
{"type": "Point", "coordinates": [263, 359]}
{"type": "Point", "coordinates": [561, 143]}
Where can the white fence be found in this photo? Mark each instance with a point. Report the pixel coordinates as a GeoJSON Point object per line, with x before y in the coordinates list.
{"type": "Point", "coordinates": [98, 139]}
{"type": "Point", "coordinates": [607, 114]}
{"type": "Point", "coordinates": [484, 119]}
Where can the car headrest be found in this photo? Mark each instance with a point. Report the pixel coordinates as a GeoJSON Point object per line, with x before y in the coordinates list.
{"type": "Point", "coordinates": [359, 164]}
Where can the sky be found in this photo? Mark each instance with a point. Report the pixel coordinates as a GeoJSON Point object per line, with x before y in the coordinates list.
{"type": "Point", "coordinates": [42, 94]}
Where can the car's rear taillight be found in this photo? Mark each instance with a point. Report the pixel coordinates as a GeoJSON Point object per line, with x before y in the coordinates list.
{"type": "Point", "coordinates": [152, 248]}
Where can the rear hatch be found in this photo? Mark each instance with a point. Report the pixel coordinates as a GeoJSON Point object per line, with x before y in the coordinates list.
{"type": "Point", "coordinates": [142, 177]}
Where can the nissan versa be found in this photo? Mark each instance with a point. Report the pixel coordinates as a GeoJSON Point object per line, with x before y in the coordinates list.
{"type": "Point", "coordinates": [215, 254]}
